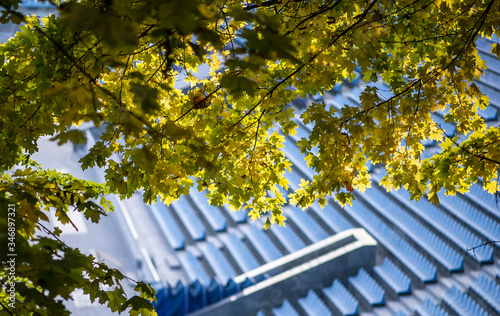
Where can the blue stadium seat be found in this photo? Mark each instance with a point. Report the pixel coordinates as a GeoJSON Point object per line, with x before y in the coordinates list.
{"type": "Point", "coordinates": [368, 288]}
{"type": "Point", "coordinates": [173, 301]}
{"type": "Point", "coordinates": [285, 310]}
{"type": "Point", "coordinates": [425, 238]}
{"type": "Point", "coordinates": [429, 308]}
{"type": "Point", "coordinates": [229, 288]}
{"type": "Point", "coordinates": [462, 303]}
{"type": "Point", "coordinates": [411, 258]}
{"type": "Point", "coordinates": [193, 268]}
{"type": "Point", "coordinates": [189, 218]}
{"type": "Point", "coordinates": [488, 290]}
{"type": "Point", "coordinates": [288, 238]}
{"type": "Point", "coordinates": [262, 243]}
{"type": "Point", "coordinates": [168, 226]}
{"type": "Point", "coordinates": [214, 293]}
{"type": "Point", "coordinates": [393, 276]}
{"type": "Point", "coordinates": [247, 283]}
{"type": "Point", "coordinates": [213, 214]}
{"type": "Point", "coordinates": [218, 262]}
{"type": "Point", "coordinates": [240, 253]}
{"type": "Point", "coordinates": [341, 298]}
{"type": "Point", "coordinates": [471, 215]}
{"type": "Point", "coordinates": [313, 305]}
{"type": "Point", "coordinates": [196, 296]}
{"type": "Point", "coordinates": [260, 313]}
{"type": "Point", "coordinates": [306, 224]}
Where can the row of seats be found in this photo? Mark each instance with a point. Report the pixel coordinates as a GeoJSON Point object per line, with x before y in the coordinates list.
{"type": "Point", "coordinates": [264, 246]}
{"type": "Point", "coordinates": [189, 219]}
{"type": "Point", "coordinates": [182, 299]}
{"type": "Point", "coordinates": [288, 238]}
{"type": "Point", "coordinates": [240, 252]}
{"type": "Point", "coordinates": [469, 214]}
{"type": "Point", "coordinates": [407, 254]}
{"type": "Point", "coordinates": [285, 310]}
{"type": "Point", "coordinates": [311, 229]}
{"type": "Point", "coordinates": [394, 277]}
{"type": "Point", "coordinates": [337, 299]}
{"type": "Point", "coordinates": [488, 290]}
{"type": "Point", "coordinates": [486, 200]}
{"type": "Point", "coordinates": [426, 239]}
{"type": "Point", "coordinates": [168, 226]}
{"type": "Point", "coordinates": [216, 259]}
{"type": "Point", "coordinates": [313, 305]}
{"type": "Point", "coordinates": [193, 268]}
{"type": "Point", "coordinates": [341, 298]}
{"type": "Point", "coordinates": [429, 308]}
{"type": "Point", "coordinates": [462, 303]}
{"type": "Point", "coordinates": [434, 216]}
{"type": "Point", "coordinates": [212, 214]}
{"type": "Point", "coordinates": [368, 288]}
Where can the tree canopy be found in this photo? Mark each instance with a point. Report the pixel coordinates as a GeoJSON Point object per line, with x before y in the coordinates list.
{"type": "Point", "coordinates": [116, 63]}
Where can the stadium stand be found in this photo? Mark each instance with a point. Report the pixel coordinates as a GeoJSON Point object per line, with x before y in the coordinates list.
{"type": "Point", "coordinates": [420, 244]}
{"type": "Point", "coordinates": [417, 241]}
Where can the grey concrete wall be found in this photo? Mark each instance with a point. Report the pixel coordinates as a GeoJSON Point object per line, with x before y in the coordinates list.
{"type": "Point", "coordinates": [294, 283]}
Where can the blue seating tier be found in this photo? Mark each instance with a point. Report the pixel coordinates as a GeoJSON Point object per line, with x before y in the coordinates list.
{"type": "Point", "coordinates": [462, 303]}
{"type": "Point", "coordinates": [262, 243]}
{"type": "Point", "coordinates": [429, 308]}
{"type": "Point", "coordinates": [218, 262]}
{"type": "Point", "coordinates": [306, 224]}
{"type": "Point", "coordinates": [240, 253]}
{"type": "Point", "coordinates": [285, 310]}
{"type": "Point", "coordinates": [446, 225]}
{"type": "Point", "coordinates": [368, 288]}
{"type": "Point", "coordinates": [341, 298]}
{"type": "Point", "coordinates": [471, 215]}
{"type": "Point", "coordinates": [288, 238]}
{"type": "Point", "coordinates": [488, 290]}
{"type": "Point", "coordinates": [393, 276]}
{"type": "Point", "coordinates": [189, 218]}
{"type": "Point", "coordinates": [426, 239]}
{"type": "Point", "coordinates": [211, 213]}
{"type": "Point", "coordinates": [168, 226]}
{"type": "Point", "coordinates": [410, 257]}
{"type": "Point", "coordinates": [193, 268]}
{"type": "Point", "coordinates": [486, 200]}
{"type": "Point", "coordinates": [313, 305]}
{"type": "Point", "coordinates": [333, 218]}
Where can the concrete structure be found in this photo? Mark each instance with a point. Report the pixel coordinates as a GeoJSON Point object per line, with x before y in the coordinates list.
{"type": "Point", "coordinates": [293, 275]}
